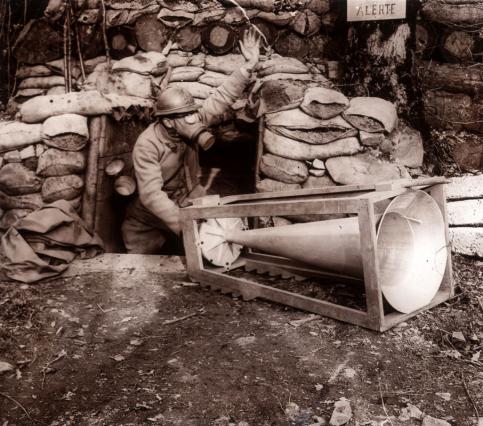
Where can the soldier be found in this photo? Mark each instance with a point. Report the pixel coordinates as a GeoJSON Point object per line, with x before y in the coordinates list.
{"type": "Point", "coordinates": [165, 155]}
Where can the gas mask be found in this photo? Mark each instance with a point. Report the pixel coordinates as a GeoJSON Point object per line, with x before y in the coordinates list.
{"type": "Point", "coordinates": [191, 127]}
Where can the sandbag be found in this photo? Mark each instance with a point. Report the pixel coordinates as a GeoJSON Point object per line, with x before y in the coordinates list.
{"type": "Point", "coordinates": [280, 64]}
{"type": "Point", "coordinates": [225, 64]}
{"type": "Point", "coordinates": [145, 63]}
{"type": "Point", "coordinates": [319, 78]}
{"type": "Point", "coordinates": [283, 169]}
{"type": "Point", "coordinates": [62, 188]}
{"type": "Point", "coordinates": [132, 84]}
{"type": "Point", "coordinates": [11, 216]}
{"type": "Point", "coordinates": [176, 18]}
{"type": "Point", "coordinates": [324, 103]}
{"type": "Point", "coordinates": [16, 179]}
{"type": "Point", "coordinates": [84, 103]}
{"type": "Point", "coordinates": [28, 201]}
{"type": "Point", "coordinates": [187, 73]}
{"type": "Point", "coordinates": [98, 79]}
{"type": "Point", "coordinates": [41, 82]}
{"type": "Point", "coordinates": [29, 93]}
{"type": "Point", "coordinates": [14, 134]}
{"type": "Point", "coordinates": [67, 131]}
{"type": "Point", "coordinates": [56, 90]}
{"type": "Point", "coordinates": [318, 136]}
{"type": "Point", "coordinates": [270, 185]}
{"type": "Point", "coordinates": [318, 182]}
{"type": "Point", "coordinates": [280, 95]}
{"type": "Point", "coordinates": [178, 59]}
{"type": "Point", "coordinates": [288, 148]}
{"type": "Point", "coordinates": [55, 162]}
{"type": "Point", "coordinates": [297, 119]}
{"type": "Point", "coordinates": [363, 169]}
{"type": "Point", "coordinates": [212, 78]}
{"type": "Point", "coordinates": [26, 71]}
{"type": "Point", "coordinates": [371, 114]}
{"type": "Point", "coordinates": [198, 90]}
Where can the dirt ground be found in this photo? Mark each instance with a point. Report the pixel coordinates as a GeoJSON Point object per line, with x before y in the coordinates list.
{"type": "Point", "coordinates": [135, 346]}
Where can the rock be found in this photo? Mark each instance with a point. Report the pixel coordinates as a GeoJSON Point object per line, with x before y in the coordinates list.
{"type": "Point", "coordinates": [371, 139]}
{"type": "Point", "coordinates": [317, 172]}
{"type": "Point", "coordinates": [39, 149]}
{"type": "Point", "coordinates": [459, 336]}
{"type": "Point", "coordinates": [410, 412]}
{"type": "Point", "coordinates": [280, 221]}
{"type": "Point", "coordinates": [6, 367]}
{"type": "Point", "coordinates": [444, 395]}
{"type": "Point", "coordinates": [292, 410]}
{"type": "Point", "coordinates": [467, 240]}
{"type": "Point", "coordinates": [244, 341]}
{"type": "Point", "coordinates": [12, 157]}
{"type": "Point", "coordinates": [363, 169]}
{"type": "Point", "coordinates": [408, 147]}
{"type": "Point", "coordinates": [318, 164]}
{"type": "Point", "coordinates": [27, 152]}
{"type": "Point", "coordinates": [342, 412]}
{"type": "Point", "coordinates": [431, 421]}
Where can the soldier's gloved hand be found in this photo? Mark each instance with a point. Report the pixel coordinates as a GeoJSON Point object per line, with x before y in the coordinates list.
{"type": "Point", "coordinates": [250, 49]}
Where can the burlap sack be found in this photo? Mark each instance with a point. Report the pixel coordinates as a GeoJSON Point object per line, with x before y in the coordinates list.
{"type": "Point", "coordinates": [16, 179]}
{"type": "Point", "coordinates": [283, 169]}
{"type": "Point", "coordinates": [279, 95]}
{"type": "Point", "coordinates": [318, 136]}
{"type": "Point", "coordinates": [132, 84]}
{"type": "Point", "coordinates": [319, 78]}
{"type": "Point", "coordinates": [56, 162]}
{"type": "Point", "coordinates": [297, 119]}
{"type": "Point", "coordinates": [324, 103]}
{"type": "Point", "coordinates": [28, 93]}
{"type": "Point", "coordinates": [28, 201]}
{"type": "Point", "coordinates": [27, 71]}
{"type": "Point", "coordinates": [288, 148]}
{"type": "Point", "coordinates": [178, 58]}
{"type": "Point", "coordinates": [212, 78]}
{"type": "Point", "coordinates": [14, 134]}
{"type": "Point", "coordinates": [225, 64]}
{"type": "Point", "coordinates": [11, 216]}
{"type": "Point", "coordinates": [145, 63]}
{"type": "Point", "coordinates": [270, 185]}
{"type": "Point", "coordinates": [371, 114]}
{"type": "Point", "coordinates": [67, 132]}
{"type": "Point", "coordinates": [41, 82]}
{"type": "Point", "coordinates": [280, 64]}
{"type": "Point", "coordinates": [198, 90]}
{"type": "Point", "coordinates": [62, 188]}
{"type": "Point", "coordinates": [188, 73]}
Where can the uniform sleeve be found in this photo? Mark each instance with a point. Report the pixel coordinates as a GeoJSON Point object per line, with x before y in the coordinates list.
{"type": "Point", "coordinates": [225, 95]}
{"type": "Point", "coordinates": [146, 161]}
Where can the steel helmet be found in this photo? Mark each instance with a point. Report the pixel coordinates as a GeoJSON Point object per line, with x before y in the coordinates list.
{"type": "Point", "coordinates": [174, 100]}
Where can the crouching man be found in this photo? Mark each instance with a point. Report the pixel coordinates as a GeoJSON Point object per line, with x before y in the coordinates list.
{"type": "Point", "coordinates": [165, 156]}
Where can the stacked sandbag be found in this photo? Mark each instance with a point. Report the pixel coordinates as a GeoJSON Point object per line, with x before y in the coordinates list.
{"type": "Point", "coordinates": [325, 139]}
{"type": "Point", "coordinates": [450, 72]}
{"type": "Point", "coordinates": [41, 163]}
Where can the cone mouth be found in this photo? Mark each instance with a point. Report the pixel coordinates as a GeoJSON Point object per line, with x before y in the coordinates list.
{"type": "Point", "coordinates": [412, 253]}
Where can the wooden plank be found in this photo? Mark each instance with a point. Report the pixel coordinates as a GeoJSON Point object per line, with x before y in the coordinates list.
{"type": "Point", "coordinates": [370, 262]}
{"type": "Point", "coordinates": [274, 208]}
{"type": "Point", "coordinates": [439, 196]}
{"type": "Point", "coordinates": [395, 318]}
{"type": "Point", "coordinates": [96, 131]}
{"type": "Point", "coordinates": [295, 267]}
{"type": "Point", "coordinates": [251, 290]}
{"type": "Point", "coordinates": [194, 259]}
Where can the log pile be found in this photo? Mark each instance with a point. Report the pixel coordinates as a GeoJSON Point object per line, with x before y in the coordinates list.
{"type": "Point", "coordinates": [449, 68]}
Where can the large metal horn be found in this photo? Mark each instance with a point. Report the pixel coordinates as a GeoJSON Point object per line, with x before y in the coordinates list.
{"type": "Point", "coordinates": [411, 247]}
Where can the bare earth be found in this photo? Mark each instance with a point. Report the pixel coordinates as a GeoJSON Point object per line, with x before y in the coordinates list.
{"type": "Point", "coordinates": [134, 346]}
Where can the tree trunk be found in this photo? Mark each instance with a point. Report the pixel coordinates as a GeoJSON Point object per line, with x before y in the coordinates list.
{"type": "Point", "coordinates": [291, 44]}
{"type": "Point", "coordinates": [219, 38]}
{"type": "Point", "coordinates": [188, 38]}
{"type": "Point", "coordinates": [460, 46]}
{"type": "Point", "coordinates": [467, 12]}
{"type": "Point", "coordinates": [151, 34]}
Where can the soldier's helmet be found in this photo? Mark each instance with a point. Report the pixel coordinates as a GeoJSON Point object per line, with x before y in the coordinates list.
{"type": "Point", "coordinates": [174, 100]}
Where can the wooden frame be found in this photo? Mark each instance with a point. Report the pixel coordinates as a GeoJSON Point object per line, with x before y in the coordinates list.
{"type": "Point", "coordinates": [364, 200]}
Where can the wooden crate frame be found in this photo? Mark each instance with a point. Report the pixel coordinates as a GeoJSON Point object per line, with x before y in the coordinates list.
{"type": "Point", "coordinates": [363, 200]}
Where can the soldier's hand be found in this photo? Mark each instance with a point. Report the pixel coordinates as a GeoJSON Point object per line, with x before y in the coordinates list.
{"type": "Point", "coordinates": [250, 48]}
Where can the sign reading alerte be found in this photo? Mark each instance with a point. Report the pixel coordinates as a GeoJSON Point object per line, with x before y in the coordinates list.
{"type": "Point", "coordinates": [375, 10]}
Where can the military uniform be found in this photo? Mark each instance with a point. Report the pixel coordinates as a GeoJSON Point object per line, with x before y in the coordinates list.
{"type": "Point", "coordinates": [166, 169]}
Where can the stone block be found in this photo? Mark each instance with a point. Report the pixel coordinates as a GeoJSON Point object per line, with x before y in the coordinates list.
{"type": "Point", "coordinates": [465, 212]}
{"type": "Point", "coordinates": [467, 240]}
{"type": "Point", "coordinates": [465, 187]}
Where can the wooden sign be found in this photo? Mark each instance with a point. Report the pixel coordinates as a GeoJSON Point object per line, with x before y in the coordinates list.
{"type": "Point", "coordinates": [375, 10]}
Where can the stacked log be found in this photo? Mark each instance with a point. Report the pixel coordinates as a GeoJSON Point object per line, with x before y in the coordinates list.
{"type": "Point", "coordinates": [451, 78]}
